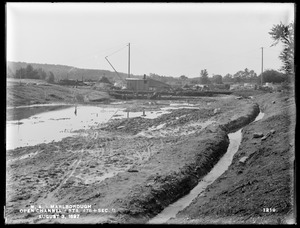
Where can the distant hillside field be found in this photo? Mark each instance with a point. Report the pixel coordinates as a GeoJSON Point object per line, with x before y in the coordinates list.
{"type": "Point", "coordinates": [68, 72]}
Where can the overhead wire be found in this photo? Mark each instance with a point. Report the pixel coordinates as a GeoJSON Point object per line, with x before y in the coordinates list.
{"type": "Point", "coordinates": [98, 52]}
{"type": "Point", "coordinates": [117, 51]}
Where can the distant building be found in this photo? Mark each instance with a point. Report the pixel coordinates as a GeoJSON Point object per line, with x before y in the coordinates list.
{"type": "Point", "coordinates": [235, 86]}
{"type": "Point", "coordinates": [269, 84]}
{"type": "Point", "coordinates": [249, 85]}
{"type": "Point", "coordinates": [242, 86]}
{"type": "Point", "coordinates": [146, 85]}
{"type": "Point", "coordinates": [201, 87]}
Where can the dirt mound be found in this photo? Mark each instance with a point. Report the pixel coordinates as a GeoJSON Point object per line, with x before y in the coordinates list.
{"type": "Point", "coordinates": [105, 80]}
{"type": "Point", "coordinates": [101, 86]}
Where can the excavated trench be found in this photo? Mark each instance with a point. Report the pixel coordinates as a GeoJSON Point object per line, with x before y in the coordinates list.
{"type": "Point", "coordinates": [205, 150]}
{"type": "Point", "coordinates": [222, 165]}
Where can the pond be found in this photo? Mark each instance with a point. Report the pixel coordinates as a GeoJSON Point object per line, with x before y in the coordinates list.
{"type": "Point", "coordinates": [32, 125]}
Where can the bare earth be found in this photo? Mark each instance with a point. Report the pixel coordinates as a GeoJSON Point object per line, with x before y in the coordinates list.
{"type": "Point", "coordinates": [135, 167]}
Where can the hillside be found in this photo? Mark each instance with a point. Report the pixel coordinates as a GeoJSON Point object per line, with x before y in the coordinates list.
{"type": "Point", "coordinates": [69, 72]}
{"type": "Point", "coordinates": [64, 72]}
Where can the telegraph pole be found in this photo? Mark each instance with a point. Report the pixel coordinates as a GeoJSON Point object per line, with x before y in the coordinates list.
{"type": "Point", "coordinates": [128, 60]}
{"type": "Point", "coordinates": [262, 64]}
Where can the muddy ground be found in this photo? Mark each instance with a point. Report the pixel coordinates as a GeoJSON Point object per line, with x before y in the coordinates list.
{"type": "Point", "coordinates": [258, 188]}
{"type": "Point", "coordinates": [135, 167]}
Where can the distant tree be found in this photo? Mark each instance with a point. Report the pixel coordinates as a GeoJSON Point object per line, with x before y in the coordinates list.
{"type": "Point", "coordinates": [285, 34]}
{"type": "Point", "coordinates": [50, 77]}
{"type": "Point", "coordinates": [217, 79]}
{"type": "Point", "coordinates": [245, 74]}
{"type": "Point", "coordinates": [41, 74]}
{"type": "Point", "coordinates": [252, 77]}
{"type": "Point", "coordinates": [204, 77]}
{"type": "Point", "coordinates": [204, 73]}
{"type": "Point", "coordinates": [274, 76]}
{"type": "Point", "coordinates": [238, 76]}
{"type": "Point", "coordinates": [228, 78]}
{"type": "Point", "coordinates": [183, 77]}
{"type": "Point", "coordinates": [31, 73]}
{"type": "Point", "coordinates": [194, 81]}
{"type": "Point", "coordinates": [20, 73]}
{"type": "Point", "coordinates": [252, 74]}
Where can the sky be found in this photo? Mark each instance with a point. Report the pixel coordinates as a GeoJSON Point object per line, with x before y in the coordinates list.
{"type": "Point", "coordinates": [170, 39]}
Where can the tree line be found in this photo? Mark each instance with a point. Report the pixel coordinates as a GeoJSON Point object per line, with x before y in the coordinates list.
{"type": "Point", "coordinates": [30, 73]}
{"type": "Point", "coordinates": [242, 76]}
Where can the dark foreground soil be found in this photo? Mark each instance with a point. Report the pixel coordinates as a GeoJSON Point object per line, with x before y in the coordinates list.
{"type": "Point", "coordinates": [259, 185]}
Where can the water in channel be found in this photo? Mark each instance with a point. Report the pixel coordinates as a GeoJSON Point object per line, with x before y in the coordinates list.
{"type": "Point", "coordinates": [222, 165]}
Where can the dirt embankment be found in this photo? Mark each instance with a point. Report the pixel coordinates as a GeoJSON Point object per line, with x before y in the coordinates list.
{"type": "Point", "coordinates": [238, 121]}
{"type": "Point", "coordinates": [258, 187]}
{"type": "Point", "coordinates": [190, 161]}
{"type": "Point", "coordinates": [30, 92]}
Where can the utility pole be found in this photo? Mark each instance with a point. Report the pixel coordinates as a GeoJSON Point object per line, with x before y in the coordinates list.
{"type": "Point", "coordinates": [128, 60]}
{"type": "Point", "coordinates": [262, 64]}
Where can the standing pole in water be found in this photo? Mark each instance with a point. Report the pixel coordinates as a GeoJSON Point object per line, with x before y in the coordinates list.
{"type": "Point", "coordinates": [262, 64]}
{"type": "Point", "coordinates": [128, 60]}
